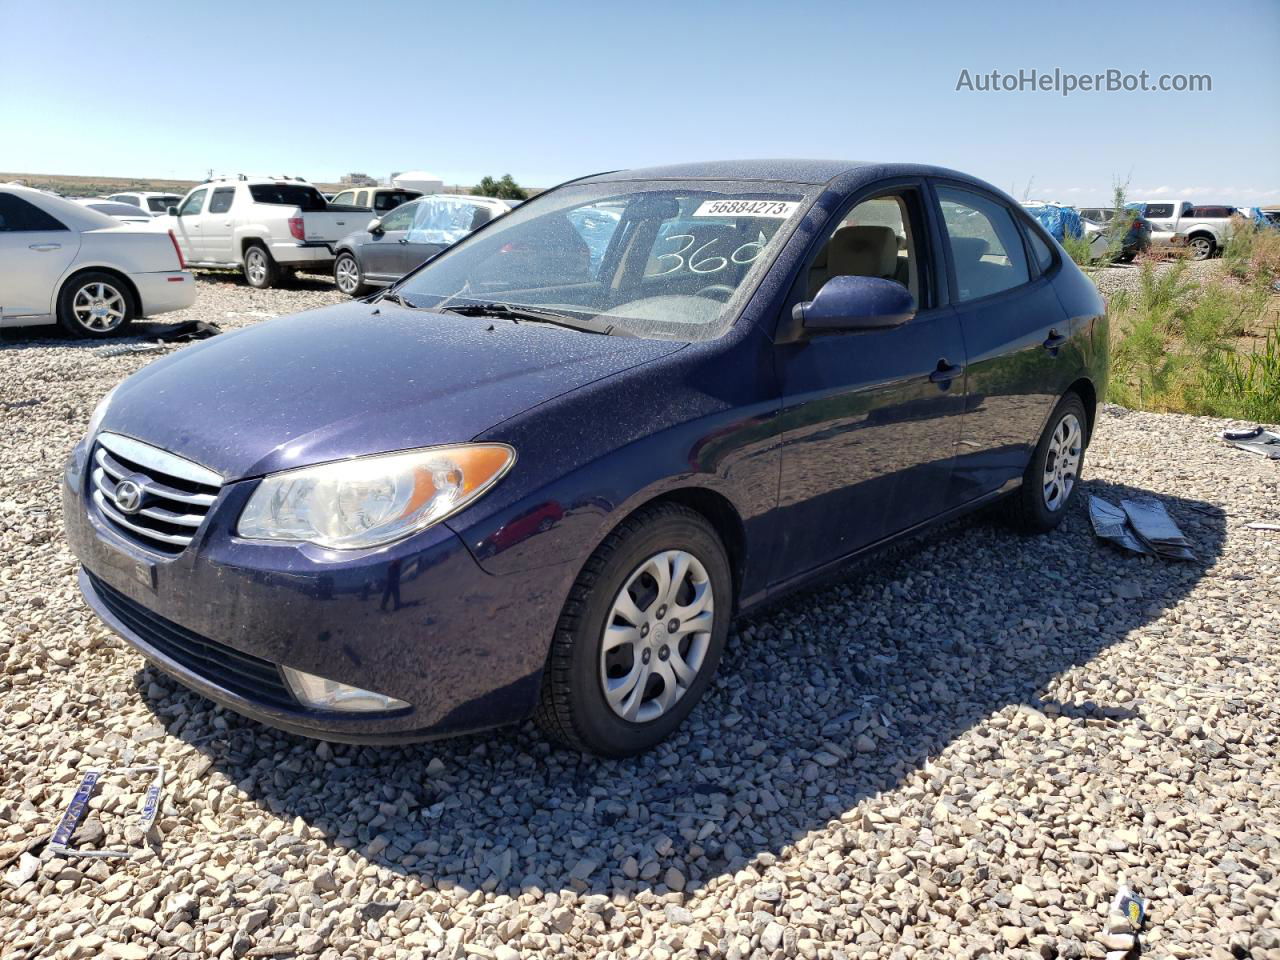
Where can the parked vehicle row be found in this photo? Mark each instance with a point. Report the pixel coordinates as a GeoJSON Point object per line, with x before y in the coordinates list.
{"type": "Point", "coordinates": [67, 263]}
{"type": "Point", "coordinates": [542, 472]}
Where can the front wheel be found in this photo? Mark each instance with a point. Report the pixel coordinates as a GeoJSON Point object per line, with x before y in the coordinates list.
{"type": "Point", "coordinates": [259, 269]}
{"type": "Point", "coordinates": [348, 277]}
{"type": "Point", "coordinates": [640, 636]}
{"type": "Point", "coordinates": [1053, 475]}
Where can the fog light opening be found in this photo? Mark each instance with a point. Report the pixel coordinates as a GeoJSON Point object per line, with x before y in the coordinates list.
{"type": "Point", "coordinates": [321, 693]}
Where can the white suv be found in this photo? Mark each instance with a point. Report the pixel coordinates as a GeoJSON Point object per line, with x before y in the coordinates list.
{"type": "Point", "coordinates": [152, 203]}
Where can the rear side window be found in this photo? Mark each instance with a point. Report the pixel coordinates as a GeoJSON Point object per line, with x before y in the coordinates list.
{"type": "Point", "coordinates": [986, 246]}
{"type": "Point", "coordinates": [288, 195]}
{"type": "Point", "coordinates": [391, 200]}
{"type": "Point", "coordinates": [19, 216]}
{"type": "Point", "coordinates": [1210, 211]}
{"type": "Point", "coordinates": [220, 202]}
{"type": "Point", "coordinates": [1040, 250]}
{"type": "Point", "coordinates": [1159, 210]}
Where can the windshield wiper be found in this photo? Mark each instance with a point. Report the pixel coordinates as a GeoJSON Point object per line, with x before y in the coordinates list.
{"type": "Point", "coordinates": [399, 301]}
{"type": "Point", "coordinates": [530, 315]}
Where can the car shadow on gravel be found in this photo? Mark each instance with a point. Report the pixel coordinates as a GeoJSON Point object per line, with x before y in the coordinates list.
{"type": "Point", "coordinates": [822, 702]}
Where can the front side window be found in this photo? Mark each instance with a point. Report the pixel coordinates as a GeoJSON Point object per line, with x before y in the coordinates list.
{"type": "Point", "coordinates": [873, 240]}
{"type": "Point", "coordinates": [346, 197]}
{"type": "Point", "coordinates": [193, 204]}
{"type": "Point", "coordinates": [220, 202]}
{"type": "Point", "coordinates": [676, 264]}
{"type": "Point", "coordinates": [986, 247]}
{"type": "Point", "coordinates": [400, 218]}
{"type": "Point", "coordinates": [390, 199]}
{"type": "Point", "coordinates": [19, 216]}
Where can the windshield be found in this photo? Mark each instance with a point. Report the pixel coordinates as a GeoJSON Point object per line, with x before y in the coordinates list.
{"type": "Point", "coordinates": [663, 260]}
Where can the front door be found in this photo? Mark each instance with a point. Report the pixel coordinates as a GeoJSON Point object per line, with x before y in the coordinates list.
{"type": "Point", "coordinates": [1015, 332]}
{"type": "Point", "coordinates": [35, 251]}
{"type": "Point", "coordinates": [382, 254]}
{"type": "Point", "coordinates": [188, 226]}
{"type": "Point", "coordinates": [870, 419]}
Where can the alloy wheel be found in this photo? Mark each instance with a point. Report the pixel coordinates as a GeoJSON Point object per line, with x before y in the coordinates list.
{"type": "Point", "coordinates": [99, 307]}
{"type": "Point", "coordinates": [1062, 461]}
{"type": "Point", "coordinates": [347, 274]}
{"type": "Point", "coordinates": [656, 636]}
{"type": "Point", "coordinates": [1201, 248]}
{"type": "Point", "coordinates": [255, 265]}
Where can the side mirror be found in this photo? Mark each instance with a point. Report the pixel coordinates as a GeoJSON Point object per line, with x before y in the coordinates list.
{"type": "Point", "coordinates": [856, 303]}
{"type": "Point", "coordinates": [173, 212]}
{"type": "Point", "coordinates": [375, 227]}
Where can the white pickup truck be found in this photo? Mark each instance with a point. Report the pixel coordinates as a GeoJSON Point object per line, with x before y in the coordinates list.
{"type": "Point", "coordinates": [1203, 230]}
{"type": "Point", "coordinates": [263, 226]}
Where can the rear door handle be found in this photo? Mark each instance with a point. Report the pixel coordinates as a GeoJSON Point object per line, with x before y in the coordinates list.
{"type": "Point", "coordinates": [45, 247]}
{"type": "Point", "coordinates": [945, 373]}
{"type": "Point", "coordinates": [1054, 341]}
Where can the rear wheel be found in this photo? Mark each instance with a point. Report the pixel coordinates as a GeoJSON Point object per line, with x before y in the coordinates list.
{"type": "Point", "coordinates": [1201, 247]}
{"type": "Point", "coordinates": [95, 305]}
{"type": "Point", "coordinates": [260, 269]}
{"type": "Point", "coordinates": [640, 635]}
{"type": "Point", "coordinates": [348, 276]}
{"type": "Point", "coordinates": [1052, 476]}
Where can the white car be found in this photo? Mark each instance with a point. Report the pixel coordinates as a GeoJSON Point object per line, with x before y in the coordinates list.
{"type": "Point", "coordinates": [263, 226]}
{"type": "Point", "coordinates": [62, 262]}
{"type": "Point", "coordinates": [124, 212]}
{"type": "Point", "coordinates": [150, 202]}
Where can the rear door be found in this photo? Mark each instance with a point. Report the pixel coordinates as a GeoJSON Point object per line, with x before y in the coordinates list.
{"type": "Point", "coordinates": [871, 418]}
{"type": "Point", "coordinates": [36, 249]}
{"type": "Point", "coordinates": [218, 227]}
{"type": "Point", "coordinates": [189, 224]}
{"type": "Point", "coordinates": [1016, 335]}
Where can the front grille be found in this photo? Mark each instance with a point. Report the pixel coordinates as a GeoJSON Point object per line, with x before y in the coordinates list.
{"type": "Point", "coordinates": [175, 494]}
{"type": "Point", "coordinates": [240, 673]}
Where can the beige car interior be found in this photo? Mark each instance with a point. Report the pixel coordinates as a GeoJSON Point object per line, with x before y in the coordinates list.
{"type": "Point", "coordinates": [874, 240]}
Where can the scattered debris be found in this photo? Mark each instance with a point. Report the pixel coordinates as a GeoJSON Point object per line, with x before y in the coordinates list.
{"type": "Point", "coordinates": [1260, 525]}
{"type": "Point", "coordinates": [80, 802]}
{"type": "Point", "coordinates": [1124, 922]}
{"type": "Point", "coordinates": [24, 871]}
{"type": "Point", "coordinates": [1155, 528]}
{"type": "Point", "coordinates": [180, 332]}
{"type": "Point", "coordinates": [1111, 524]}
{"type": "Point", "coordinates": [1258, 441]}
{"type": "Point", "coordinates": [1141, 526]}
{"type": "Point", "coordinates": [19, 404]}
{"type": "Point", "coordinates": [123, 349]}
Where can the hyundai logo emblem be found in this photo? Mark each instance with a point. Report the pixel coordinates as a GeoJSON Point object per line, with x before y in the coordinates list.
{"type": "Point", "coordinates": [128, 496]}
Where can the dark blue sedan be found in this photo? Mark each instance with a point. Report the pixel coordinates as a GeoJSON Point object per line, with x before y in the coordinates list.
{"type": "Point", "coordinates": [540, 474]}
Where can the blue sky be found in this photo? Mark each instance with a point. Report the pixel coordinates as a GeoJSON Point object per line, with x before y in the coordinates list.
{"type": "Point", "coordinates": [553, 90]}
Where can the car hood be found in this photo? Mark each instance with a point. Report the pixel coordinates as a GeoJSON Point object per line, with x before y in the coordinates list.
{"type": "Point", "coordinates": [355, 379]}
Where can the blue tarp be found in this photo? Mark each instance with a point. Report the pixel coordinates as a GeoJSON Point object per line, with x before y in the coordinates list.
{"type": "Point", "coordinates": [1058, 220]}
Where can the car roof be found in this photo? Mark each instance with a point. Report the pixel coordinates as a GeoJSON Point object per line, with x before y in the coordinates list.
{"type": "Point", "coordinates": [814, 172]}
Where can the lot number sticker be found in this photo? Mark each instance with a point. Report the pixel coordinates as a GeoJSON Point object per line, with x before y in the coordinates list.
{"type": "Point", "coordinates": [773, 209]}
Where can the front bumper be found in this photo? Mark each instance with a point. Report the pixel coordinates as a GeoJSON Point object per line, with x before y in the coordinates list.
{"type": "Point", "coordinates": [165, 292]}
{"type": "Point", "coordinates": [419, 620]}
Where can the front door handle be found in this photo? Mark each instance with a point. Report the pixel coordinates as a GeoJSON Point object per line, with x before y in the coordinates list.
{"type": "Point", "coordinates": [1054, 341]}
{"type": "Point", "coordinates": [45, 247]}
{"type": "Point", "coordinates": [946, 372]}
{"type": "Point", "coordinates": [402, 241]}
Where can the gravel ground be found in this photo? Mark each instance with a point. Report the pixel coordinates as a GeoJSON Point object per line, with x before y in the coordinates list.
{"type": "Point", "coordinates": [1125, 276]}
{"type": "Point", "coordinates": [961, 753]}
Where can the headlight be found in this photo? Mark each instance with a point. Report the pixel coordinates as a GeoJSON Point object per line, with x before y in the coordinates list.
{"type": "Point", "coordinates": [100, 411]}
{"type": "Point", "coordinates": [370, 501]}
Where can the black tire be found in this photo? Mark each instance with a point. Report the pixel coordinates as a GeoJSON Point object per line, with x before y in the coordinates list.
{"type": "Point", "coordinates": [260, 268]}
{"type": "Point", "coordinates": [573, 708]}
{"type": "Point", "coordinates": [1029, 508]}
{"type": "Point", "coordinates": [83, 293]}
{"type": "Point", "coordinates": [348, 261]}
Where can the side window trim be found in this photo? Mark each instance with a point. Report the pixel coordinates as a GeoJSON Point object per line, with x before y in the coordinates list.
{"type": "Point", "coordinates": [945, 245]}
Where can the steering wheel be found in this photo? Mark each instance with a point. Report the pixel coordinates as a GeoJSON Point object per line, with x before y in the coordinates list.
{"type": "Point", "coordinates": [717, 291]}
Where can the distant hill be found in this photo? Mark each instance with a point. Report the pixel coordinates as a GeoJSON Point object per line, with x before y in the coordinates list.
{"type": "Point", "coordinates": [72, 186]}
